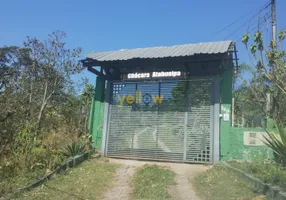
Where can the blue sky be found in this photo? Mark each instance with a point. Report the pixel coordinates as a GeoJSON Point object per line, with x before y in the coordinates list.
{"type": "Point", "coordinates": [119, 24]}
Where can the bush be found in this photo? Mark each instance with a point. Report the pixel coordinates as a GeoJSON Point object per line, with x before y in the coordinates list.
{"type": "Point", "coordinates": [73, 149]}
{"type": "Point", "coordinates": [12, 176]}
{"type": "Point", "coordinates": [278, 144]}
{"type": "Point", "coordinates": [32, 154]}
{"type": "Point", "coordinates": [268, 172]}
{"type": "Point", "coordinates": [43, 158]}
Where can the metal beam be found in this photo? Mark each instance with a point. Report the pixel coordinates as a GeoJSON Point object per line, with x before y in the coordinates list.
{"type": "Point", "coordinates": [99, 73]}
{"type": "Point", "coordinates": [94, 71]}
{"type": "Point", "coordinates": [235, 55]}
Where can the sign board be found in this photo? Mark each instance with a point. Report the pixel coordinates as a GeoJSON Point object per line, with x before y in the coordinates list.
{"type": "Point", "coordinates": [226, 117]}
{"type": "Point", "coordinates": [153, 75]}
{"type": "Point", "coordinates": [252, 138]}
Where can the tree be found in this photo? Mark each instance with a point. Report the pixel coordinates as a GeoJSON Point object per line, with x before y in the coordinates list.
{"type": "Point", "coordinates": [51, 68]}
{"type": "Point", "coordinates": [249, 108]}
{"type": "Point", "coordinates": [13, 61]}
{"type": "Point", "coordinates": [85, 99]}
{"type": "Point", "coordinates": [40, 111]}
{"type": "Point", "coordinates": [269, 74]}
{"type": "Point", "coordinates": [36, 88]}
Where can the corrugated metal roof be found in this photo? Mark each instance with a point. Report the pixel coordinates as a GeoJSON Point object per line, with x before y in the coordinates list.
{"type": "Point", "coordinates": [163, 52]}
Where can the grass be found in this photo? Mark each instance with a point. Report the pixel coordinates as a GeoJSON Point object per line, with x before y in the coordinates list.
{"type": "Point", "coordinates": [152, 182]}
{"type": "Point", "coordinates": [87, 181]}
{"type": "Point", "coordinates": [267, 172]}
{"type": "Point", "coordinates": [219, 183]}
{"type": "Point", "coordinates": [10, 182]}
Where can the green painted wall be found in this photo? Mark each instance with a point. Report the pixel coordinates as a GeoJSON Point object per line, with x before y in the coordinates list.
{"type": "Point", "coordinates": [226, 99]}
{"type": "Point", "coordinates": [237, 149]}
{"type": "Point", "coordinates": [232, 138]}
{"type": "Point", "coordinates": [97, 113]}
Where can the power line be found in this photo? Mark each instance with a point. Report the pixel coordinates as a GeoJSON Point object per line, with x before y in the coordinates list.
{"type": "Point", "coordinates": [232, 33]}
{"type": "Point", "coordinates": [253, 28]}
{"type": "Point", "coordinates": [260, 10]}
{"type": "Point", "coordinates": [260, 23]}
{"type": "Point", "coordinates": [241, 17]}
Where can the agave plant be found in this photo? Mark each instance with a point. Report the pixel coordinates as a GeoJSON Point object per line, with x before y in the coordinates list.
{"type": "Point", "coordinates": [73, 149]}
{"type": "Point", "coordinates": [277, 142]}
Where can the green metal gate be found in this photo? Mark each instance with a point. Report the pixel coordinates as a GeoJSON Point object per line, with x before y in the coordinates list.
{"type": "Point", "coordinates": [170, 121]}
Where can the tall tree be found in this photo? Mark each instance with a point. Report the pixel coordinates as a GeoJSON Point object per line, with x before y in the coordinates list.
{"type": "Point", "coordinates": [50, 72]}
{"type": "Point", "coordinates": [269, 74]}
{"type": "Point", "coordinates": [13, 61]}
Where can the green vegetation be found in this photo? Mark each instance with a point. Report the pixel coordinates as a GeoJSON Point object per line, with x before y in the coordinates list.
{"type": "Point", "coordinates": [11, 182]}
{"type": "Point", "coordinates": [41, 110]}
{"type": "Point", "coordinates": [73, 149]}
{"type": "Point", "coordinates": [264, 94]}
{"type": "Point", "coordinates": [87, 181]}
{"type": "Point", "coordinates": [219, 183]}
{"type": "Point", "coordinates": [278, 144]}
{"type": "Point", "coordinates": [267, 172]}
{"type": "Point", "coordinates": [152, 182]}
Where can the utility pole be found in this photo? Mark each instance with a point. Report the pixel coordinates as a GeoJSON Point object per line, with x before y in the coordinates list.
{"type": "Point", "coordinates": [273, 16]}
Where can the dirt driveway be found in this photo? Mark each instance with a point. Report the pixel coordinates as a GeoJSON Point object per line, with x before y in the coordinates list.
{"type": "Point", "coordinates": [183, 190]}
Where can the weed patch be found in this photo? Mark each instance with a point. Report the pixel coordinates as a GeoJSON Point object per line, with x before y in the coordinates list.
{"type": "Point", "coordinates": [219, 183]}
{"type": "Point", "coordinates": [267, 172]}
{"type": "Point", "coordinates": [87, 181]}
{"type": "Point", "coordinates": [151, 182]}
{"type": "Point", "coordinates": [9, 183]}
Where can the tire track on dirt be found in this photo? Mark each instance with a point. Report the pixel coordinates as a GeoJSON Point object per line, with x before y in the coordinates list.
{"type": "Point", "coordinates": [121, 189]}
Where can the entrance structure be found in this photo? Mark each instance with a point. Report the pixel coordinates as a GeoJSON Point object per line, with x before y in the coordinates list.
{"type": "Point", "coordinates": [163, 103]}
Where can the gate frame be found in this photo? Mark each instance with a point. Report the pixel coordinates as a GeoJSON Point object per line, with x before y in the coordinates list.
{"type": "Point", "coordinates": [214, 119]}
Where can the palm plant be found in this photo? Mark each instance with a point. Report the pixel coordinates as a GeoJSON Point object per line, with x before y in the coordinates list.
{"type": "Point", "coordinates": [73, 149]}
{"type": "Point", "coordinates": [277, 142]}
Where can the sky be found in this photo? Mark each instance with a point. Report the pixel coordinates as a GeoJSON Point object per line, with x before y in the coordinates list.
{"type": "Point", "coordinates": [121, 24]}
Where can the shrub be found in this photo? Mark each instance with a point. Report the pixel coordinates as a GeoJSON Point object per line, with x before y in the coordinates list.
{"type": "Point", "coordinates": [277, 142]}
{"type": "Point", "coordinates": [58, 138]}
{"type": "Point", "coordinates": [268, 172]}
{"type": "Point", "coordinates": [46, 158]}
{"type": "Point", "coordinates": [73, 149]}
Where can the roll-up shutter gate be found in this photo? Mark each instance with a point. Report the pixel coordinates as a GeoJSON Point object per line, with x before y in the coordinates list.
{"type": "Point", "coordinates": [169, 121]}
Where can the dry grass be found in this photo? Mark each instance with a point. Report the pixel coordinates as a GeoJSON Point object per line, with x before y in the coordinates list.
{"type": "Point", "coordinates": [219, 183]}
{"type": "Point", "coordinates": [56, 139]}
{"type": "Point", "coordinates": [10, 183]}
{"type": "Point", "coordinates": [87, 181]}
{"type": "Point", "coordinates": [267, 172]}
{"type": "Point", "coordinates": [152, 182]}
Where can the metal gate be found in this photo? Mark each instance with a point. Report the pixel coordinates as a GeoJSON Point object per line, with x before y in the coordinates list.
{"type": "Point", "coordinates": [161, 120]}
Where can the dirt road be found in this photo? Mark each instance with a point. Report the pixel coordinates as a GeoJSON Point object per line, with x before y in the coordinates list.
{"type": "Point", "coordinates": [182, 190]}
